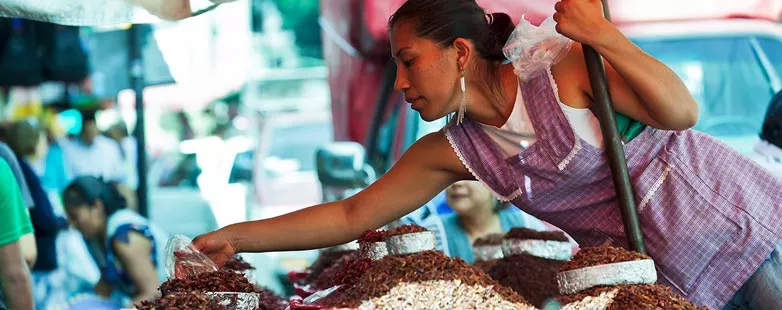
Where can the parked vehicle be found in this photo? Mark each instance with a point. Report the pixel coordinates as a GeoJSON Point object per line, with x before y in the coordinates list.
{"type": "Point", "coordinates": [281, 165]}
{"type": "Point", "coordinates": [731, 66]}
{"type": "Point", "coordinates": [176, 202]}
{"type": "Point", "coordinates": [276, 175]}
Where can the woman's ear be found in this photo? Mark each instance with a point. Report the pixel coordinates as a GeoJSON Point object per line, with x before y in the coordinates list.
{"type": "Point", "coordinates": [464, 50]}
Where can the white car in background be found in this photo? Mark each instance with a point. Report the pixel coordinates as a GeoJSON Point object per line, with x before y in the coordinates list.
{"type": "Point", "coordinates": [176, 203]}
{"type": "Point", "coordinates": [731, 66]}
{"type": "Point", "coordinates": [281, 165]}
{"type": "Point", "coordinates": [277, 176]}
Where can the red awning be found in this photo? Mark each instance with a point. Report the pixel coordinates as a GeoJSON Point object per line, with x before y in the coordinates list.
{"type": "Point", "coordinates": [376, 12]}
{"type": "Point", "coordinates": [362, 23]}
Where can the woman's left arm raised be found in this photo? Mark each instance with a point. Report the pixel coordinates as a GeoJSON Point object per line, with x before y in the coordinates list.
{"type": "Point", "coordinates": [641, 86]}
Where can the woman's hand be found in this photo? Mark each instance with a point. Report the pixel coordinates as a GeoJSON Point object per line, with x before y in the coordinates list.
{"type": "Point", "coordinates": [582, 21]}
{"type": "Point", "coordinates": [217, 245]}
{"type": "Point", "coordinates": [641, 86]}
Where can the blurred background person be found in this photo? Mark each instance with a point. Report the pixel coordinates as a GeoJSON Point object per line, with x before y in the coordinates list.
{"type": "Point", "coordinates": [27, 241]}
{"type": "Point", "coordinates": [30, 145]}
{"type": "Point", "coordinates": [91, 154]}
{"type": "Point", "coordinates": [10, 158]}
{"type": "Point", "coordinates": [478, 214]}
{"type": "Point", "coordinates": [15, 283]}
{"type": "Point", "coordinates": [130, 250]}
{"type": "Point", "coordinates": [51, 169]}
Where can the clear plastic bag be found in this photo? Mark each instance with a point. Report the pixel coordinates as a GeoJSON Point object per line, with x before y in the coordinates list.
{"type": "Point", "coordinates": [183, 260]}
{"type": "Point", "coordinates": [308, 303]}
{"type": "Point", "coordinates": [297, 304]}
{"type": "Point", "coordinates": [312, 299]}
{"type": "Point", "coordinates": [531, 48]}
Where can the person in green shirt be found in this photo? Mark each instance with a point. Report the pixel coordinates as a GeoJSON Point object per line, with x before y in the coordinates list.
{"type": "Point", "coordinates": [15, 284]}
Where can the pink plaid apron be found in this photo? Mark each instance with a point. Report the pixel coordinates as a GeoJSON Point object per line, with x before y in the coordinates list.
{"type": "Point", "coordinates": [709, 215]}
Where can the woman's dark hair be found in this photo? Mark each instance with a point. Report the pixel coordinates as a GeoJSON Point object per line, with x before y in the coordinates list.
{"type": "Point", "coordinates": [22, 137]}
{"type": "Point", "coordinates": [86, 190]}
{"type": "Point", "coordinates": [443, 21]}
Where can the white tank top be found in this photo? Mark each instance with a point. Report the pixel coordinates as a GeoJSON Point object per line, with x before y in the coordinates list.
{"type": "Point", "coordinates": [518, 133]}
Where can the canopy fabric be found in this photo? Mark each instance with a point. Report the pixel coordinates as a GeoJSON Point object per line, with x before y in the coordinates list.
{"type": "Point", "coordinates": [90, 12]}
{"type": "Point", "coordinates": [373, 14]}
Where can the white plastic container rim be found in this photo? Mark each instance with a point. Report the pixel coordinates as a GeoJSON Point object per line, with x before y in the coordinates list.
{"type": "Point", "coordinates": [549, 249]}
{"type": "Point", "coordinates": [623, 273]}
{"type": "Point", "coordinates": [411, 243]}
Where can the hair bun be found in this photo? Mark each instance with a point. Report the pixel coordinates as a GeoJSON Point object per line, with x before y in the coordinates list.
{"type": "Point", "coordinates": [501, 26]}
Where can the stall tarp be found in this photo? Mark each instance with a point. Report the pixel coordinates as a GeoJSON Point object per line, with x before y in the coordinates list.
{"type": "Point", "coordinates": [363, 23]}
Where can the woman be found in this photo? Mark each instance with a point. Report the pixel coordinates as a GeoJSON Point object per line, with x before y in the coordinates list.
{"type": "Point", "coordinates": [130, 248]}
{"type": "Point", "coordinates": [710, 216]}
{"type": "Point", "coordinates": [478, 214]}
{"type": "Point", "coordinates": [30, 145]}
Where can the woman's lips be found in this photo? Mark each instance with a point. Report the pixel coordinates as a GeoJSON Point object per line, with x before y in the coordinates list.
{"type": "Point", "coordinates": [457, 196]}
{"type": "Point", "coordinates": [414, 103]}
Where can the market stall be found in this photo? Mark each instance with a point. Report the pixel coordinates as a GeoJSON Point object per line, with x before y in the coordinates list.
{"type": "Point", "coordinates": [400, 269]}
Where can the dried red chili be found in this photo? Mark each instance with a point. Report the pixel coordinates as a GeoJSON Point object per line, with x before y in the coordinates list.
{"type": "Point", "coordinates": [485, 265]}
{"type": "Point", "coordinates": [351, 271]}
{"type": "Point", "coordinates": [424, 266]}
{"type": "Point", "coordinates": [405, 229]}
{"type": "Point", "coordinates": [216, 281]}
{"type": "Point", "coordinates": [268, 300]}
{"type": "Point", "coordinates": [329, 276]}
{"type": "Point", "coordinates": [645, 296]}
{"type": "Point", "coordinates": [493, 239]}
{"type": "Point", "coordinates": [324, 261]}
{"type": "Point", "coordinates": [190, 300]}
{"type": "Point", "coordinates": [534, 278]}
{"type": "Point", "coordinates": [588, 257]}
{"type": "Point", "coordinates": [372, 236]}
{"type": "Point", "coordinates": [526, 233]}
{"type": "Point", "coordinates": [237, 263]}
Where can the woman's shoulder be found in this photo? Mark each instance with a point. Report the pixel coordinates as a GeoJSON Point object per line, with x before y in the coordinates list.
{"type": "Point", "coordinates": [124, 217]}
{"type": "Point", "coordinates": [531, 48]}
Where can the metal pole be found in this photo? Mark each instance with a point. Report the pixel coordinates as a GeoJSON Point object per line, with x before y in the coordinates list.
{"type": "Point", "coordinates": [613, 144]}
{"type": "Point", "coordinates": [136, 43]}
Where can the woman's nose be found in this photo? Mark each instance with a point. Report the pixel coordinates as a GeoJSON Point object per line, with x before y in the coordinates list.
{"type": "Point", "coordinates": [401, 83]}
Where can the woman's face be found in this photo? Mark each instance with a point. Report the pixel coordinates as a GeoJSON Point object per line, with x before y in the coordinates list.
{"type": "Point", "coordinates": [466, 197]}
{"type": "Point", "coordinates": [426, 73]}
{"type": "Point", "coordinates": [89, 220]}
